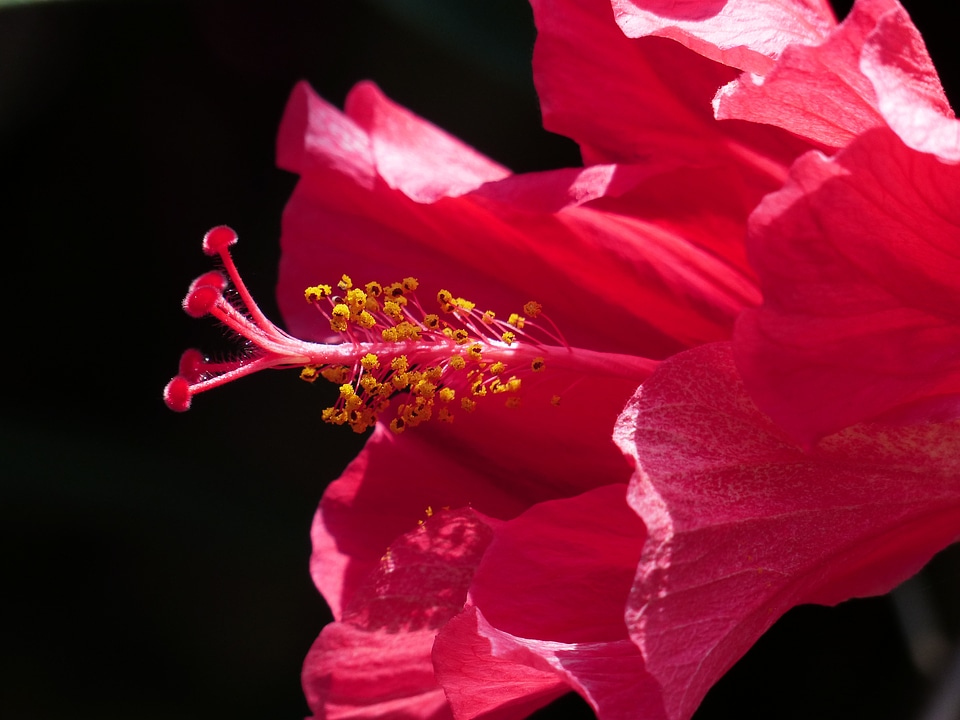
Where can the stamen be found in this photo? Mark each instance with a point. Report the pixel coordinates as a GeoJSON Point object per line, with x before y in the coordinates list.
{"type": "Point", "coordinates": [391, 345]}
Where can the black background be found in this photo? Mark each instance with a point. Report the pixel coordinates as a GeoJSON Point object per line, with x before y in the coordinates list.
{"type": "Point", "coordinates": [155, 564]}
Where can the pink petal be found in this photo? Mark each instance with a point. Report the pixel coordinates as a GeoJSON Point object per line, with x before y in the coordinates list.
{"type": "Point", "coordinates": [382, 494]}
{"type": "Point", "coordinates": [562, 570]}
{"type": "Point", "coordinates": [910, 96]}
{"type": "Point", "coordinates": [817, 91]}
{"type": "Point", "coordinates": [745, 34]}
{"type": "Point", "coordinates": [550, 595]}
{"type": "Point", "coordinates": [377, 137]}
{"type": "Point", "coordinates": [646, 100]}
{"type": "Point", "coordinates": [491, 674]}
{"type": "Point", "coordinates": [375, 661]}
{"type": "Point", "coordinates": [859, 272]}
{"type": "Point", "coordinates": [663, 254]}
{"type": "Point", "coordinates": [353, 673]}
{"type": "Point", "coordinates": [745, 525]}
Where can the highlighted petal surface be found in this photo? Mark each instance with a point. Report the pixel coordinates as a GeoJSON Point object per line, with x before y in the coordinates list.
{"type": "Point", "coordinates": [375, 661]}
{"type": "Point", "coordinates": [744, 524]}
{"type": "Point", "coordinates": [643, 100]}
{"type": "Point", "coordinates": [580, 553]}
{"type": "Point", "coordinates": [858, 259]}
{"type": "Point", "coordinates": [910, 96]}
{"type": "Point", "coordinates": [745, 34]}
{"type": "Point", "coordinates": [817, 91]}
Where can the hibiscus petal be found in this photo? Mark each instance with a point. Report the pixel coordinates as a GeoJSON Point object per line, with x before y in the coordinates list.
{"type": "Point", "coordinates": [375, 662]}
{"type": "Point", "coordinates": [645, 100]}
{"type": "Point", "coordinates": [375, 137]}
{"type": "Point", "coordinates": [745, 525]}
{"type": "Point", "coordinates": [672, 271]}
{"type": "Point", "coordinates": [910, 96]}
{"type": "Point", "coordinates": [549, 598]}
{"type": "Point", "coordinates": [383, 493]}
{"type": "Point", "coordinates": [745, 34]}
{"type": "Point", "coordinates": [858, 265]}
{"type": "Point", "coordinates": [491, 674]}
{"type": "Point", "coordinates": [353, 673]}
{"type": "Point", "coordinates": [816, 91]}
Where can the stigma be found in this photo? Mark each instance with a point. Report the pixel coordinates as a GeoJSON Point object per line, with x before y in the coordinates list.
{"type": "Point", "coordinates": [391, 352]}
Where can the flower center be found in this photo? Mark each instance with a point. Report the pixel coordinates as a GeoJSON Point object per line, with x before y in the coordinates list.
{"type": "Point", "coordinates": [445, 361]}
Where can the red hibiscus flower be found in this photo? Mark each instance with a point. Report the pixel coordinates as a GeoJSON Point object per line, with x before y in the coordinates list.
{"type": "Point", "coordinates": [462, 560]}
{"type": "Point", "coordinates": [616, 255]}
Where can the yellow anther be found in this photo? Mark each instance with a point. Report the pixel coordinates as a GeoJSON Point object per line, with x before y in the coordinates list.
{"type": "Point", "coordinates": [410, 284]}
{"type": "Point", "coordinates": [372, 305]}
{"type": "Point", "coordinates": [398, 425]}
{"type": "Point", "coordinates": [457, 362]}
{"type": "Point", "coordinates": [433, 374]}
{"type": "Point", "coordinates": [488, 317]}
{"type": "Point", "coordinates": [533, 308]}
{"type": "Point", "coordinates": [408, 331]}
{"type": "Point", "coordinates": [333, 416]}
{"type": "Point", "coordinates": [468, 404]}
{"type": "Point", "coordinates": [431, 321]}
{"type": "Point", "coordinates": [394, 290]}
{"type": "Point", "coordinates": [400, 380]}
{"type": "Point", "coordinates": [516, 320]}
{"type": "Point", "coordinates": [400, 364]}
{"type": "Point", "coordinates": [370, 384]}
{"type": "Point", "coordinates": [512, 385]}
{"type": "Point", "coordinates": [309, 373]}
{"type": "Point", "coordinates": [370, 362]}
{"type": "Point", "coordinates": [362, 420]}
{"type": "Point", "coordinates": [346, 391]}
{"type": "Point", "coordinates": [509, 338]}
{"type": "Point", "coordinates": [475, 351]}
{"type": "Point", "coordinates": [445, 415]}
{"type": "Point", "coordinates": [366, 320]}
{"type": "Point", "coordinates": [317, 292]}
{"type": "Point", "coordinates": [446, 301]}
{"type": "Point", "coordinates": [497, 368]}
{"type": "Point", "coordinates": [353, 403]}
{"type": "Point", "coordinates": [447, 394]}
{"type": "Point", "coordinates": [390, 334]}
{"type": "Point", "coordinates": [464, 304]}
{"type": "Point", "coordinates": [340, 315]}
{"type": "Point", "coordinates": [461, 336]}
{"type": "Point", "coordinates": [538, 364]}
{"type": "Point", "coordinates": [345, 283]}
{"type": "Point", "coordinates": [336, 373]}
{"type": "Point", "coordinates": [392, 309]}
{"type": "Point", "coordinates": [356, 299]}
{"type": "Point", "coordinates": [425, 389]}
{"type": "Point", "coordinates": [512, 402]}
{"type": "Point", "coordinates": [374, 289]}
{"type": "Point", "coordinates": [478, 388]}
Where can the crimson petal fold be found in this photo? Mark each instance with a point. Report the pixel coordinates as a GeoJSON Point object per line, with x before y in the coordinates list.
{"type": "Point", "coordinates": [858, 261]}
{"type": "Point", "coordinates": [744, 524]}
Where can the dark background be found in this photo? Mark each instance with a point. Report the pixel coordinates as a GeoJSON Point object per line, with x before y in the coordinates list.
{"type": "Point", "coordinates": [154, 565]}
